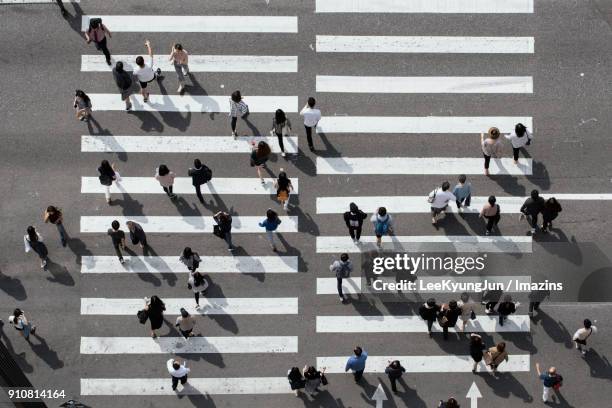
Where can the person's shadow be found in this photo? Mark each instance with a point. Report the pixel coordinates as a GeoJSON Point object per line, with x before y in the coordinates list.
{"type": "Point", "coordinates": [12, 287]}
{"type": "Point", "coordinates": [43, 351]}
{"type": "Point", "coordinates": [59, 274]}
{"type": "Point", "coordinates": [19, 358]}
{"type": "Point", "coordinates": [74, 21]}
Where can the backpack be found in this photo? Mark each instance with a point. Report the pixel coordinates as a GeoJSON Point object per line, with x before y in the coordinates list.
{"type": "Point", "coordinates": [105, 180]}
{"type": "Point", "coordinates": [382, 226]}
{"type": "Point", "coordinates": [94, 22]}
{"type": "Point", "coordinates": [207, 172]}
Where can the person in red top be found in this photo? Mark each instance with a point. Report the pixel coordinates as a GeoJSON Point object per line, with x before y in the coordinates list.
{"type": "Point", "coordinates": [97, 33]}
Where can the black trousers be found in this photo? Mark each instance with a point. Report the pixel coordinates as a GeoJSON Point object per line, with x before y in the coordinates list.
{"type": "Point", "coordinates": [199, 193]}
{"type": "Point", "coordinates": [515, 152]}
{"type": "Point", "coordinates": [358, 375]}
{"type": "Point", "coordinates": [355, 232]}
{"type": "Point", "coordinates": [280, 141]}
{"type": "Point", "coordinates": [393, 383]}
{"type": "Point", "coordinates": [118, 251]}
{"type": "Point", "coordinates": [175, 381]}
{"type": "Point", "coordinates": [233, 123]}
{"type": "Point", "coordinates": [101, 46]}
{"type": "Point", "coordinates": [309, 136]}
{"type": "Point", "coordinates": [467, 201]}
{"type": "Point", "coordinates": [487, 161]}
{"type": "Point", "coordinates": [340, 287]}
{"type": "Point", "coordinates": [429, 324]}
{"type": "Point", "coordinates": [492, 221]}
{"type": "Point", "coordinates": [168, 190]}
{"type": "Point", "coordinates": [532, 219]}
{"type": "Point", "coordinates": [534, 306]}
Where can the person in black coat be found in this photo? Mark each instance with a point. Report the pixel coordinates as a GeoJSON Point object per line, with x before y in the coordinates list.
{"type": "Point", "coordinates": [354, 221]}
{"type": "Point", "coordinates": [123, 79]}
{"type": "Point", "coordinates": [137, 234]}
{"type": "Point", "coordinates": [551, 210]}
{"type": "Point", "coordinates": [449, 314]}
{"type": "Point", "coordinates": [505, 308]}
{"type": "Point", "coordinates": [477, 348]}
{"type": "Point", "coordinates": [531, 208]}
{"type": "Point", "coordinates": [296, 380]}
{"type": "Point", "coordinates": [199, 174]}
{"type": "Point", "coordinates": [394, 370]}
{"type": "Point", "coordinates": [155, 309]}
{"type": "Point", "coordinates": [429, 312]}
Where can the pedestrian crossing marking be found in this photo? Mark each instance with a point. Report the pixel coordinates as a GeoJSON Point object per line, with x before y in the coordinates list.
{"type": "Point", "coordinates": [427, 364]}
{"type": "Point", "coordinates": [425, 44]}
{"type": "Point", "coordinates": [183, 144]}
{"type": "Point", "coordinates": [208, 264]}
{"type": "Point", "coordinates": [425, 84]}
{"type": "Point", "coordinates": [196, 24]}
{"type": "Point", "coordinates": [196, 344]}
{"type": "Point", "coordinates": [185, 225]}
{"type": "Point", "coordinates": [421, 166]}
{"type": "Point", "coordinates": [420, 124]}
{"type": "Point", "coordinates": [429, 243]}
{"type": "Point", "coordinates": [182, 185]}
{"type": "Point", "coordinates": [209, 306]}
{"type": "Point", "coordinates": [414, 324]}
{"type": "Point", "coordinates": [424, 6]}
{"type": "Point", "coordinates": [327, 286]}
{"type": "Point", "coordinates": [192, 103]}
{"type": "Point", "coordinates": [201, 63]}
{"type": "Point", "coordinates": [35, 1]}
{"type": "Point", "coordinates": [419, 204]}
{"type": "Point", "coordinates": [194, 386]}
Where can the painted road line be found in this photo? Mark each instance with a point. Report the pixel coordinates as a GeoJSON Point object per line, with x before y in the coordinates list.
{"type": "Point", "coordinates": [425, 85]}
{"type": "Point", "coordinates": [419, 124]}
{"type": "Point", "coordinates": [192, 103]}
{"type": "Point", "coordinates": [425, 6]}
{"type": "Point", "coordinates": [195, 386]}
{"type": "Point", "coordinates": [171, 264]}
{"type": "Point", "coordinates": [327, 286]}
{"type": "Point", "coordinates": [35, 1]}
{"type": "Point", "coordinates": [426, 44]}
{"type": "Point", "coordinates": [182, 185]}
{"type": "Point", "coordinates": [178, 345]}
{"type": "Point", "coordinates": [414, 324]}
{"type": "Point", "coordinates": [196, 24]}
{"type": "Point", "coordinates": [201, 63]}
{"type": "Point", "coordinates": [182, 144]}
{"type": "Point", "coordinates": [428, 243]}
{"type": "Point", "coordinates": [426, 364]}
{"type": "Point", "coordinates": [421, 165]}
{"type": "Point", "coordinates": [209, 306]}
{"type": "Point", "coordinates": [186, 225]}
{"type": "Point", "coordinates": [419, 204]}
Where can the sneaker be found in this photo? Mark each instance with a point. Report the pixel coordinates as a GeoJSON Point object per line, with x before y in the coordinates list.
{"type": "Point", "coordinates": [263, 182]}
{"type": "Point", "coordinates": [582, 351]}
{"type": "Point", "coordinates": [180, 88]}
{"type": "Point", "coordinates": [145, 99]}
{"type": "Point", "coordinates": [312, 149]}
{"type": "Point", "coordinates": [533, 231]}
{"type": "Point", "coordinates": [283, 154]}
{"type": "Point", "coordinates": [158, 71]}
{"type": "Point", "coordinates": [274, 249]}
{"type": "Point", "coordinates": [486, 172]}
{"type": "Point", "coordinates": [341, 299]}
{"type": "Point", "coordinates": [197, 306]}
{"type": "Point", "coordinates": [33, 330]}
{"type": "Point", "coordinates": [128, 107]}
{"type": "Point", "coordinates": [122, 261]}
{"type": "Point", "coordinates": [108, 62]}
{"type": "Point", "coordinates": [234, 135]}
{"type": "Point", "coordinates": [231, 249]}
{"type": "Point", "coordinates": [460, 209]}
{"type": "Point", "coordinates": [64, 243]}
{"type": "Point", "coordinates": [488, 233]}
{"type": "Point", "coordinates": [488, 311]}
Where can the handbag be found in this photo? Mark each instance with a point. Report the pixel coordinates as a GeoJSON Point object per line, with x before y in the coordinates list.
{"type": "Point", "coordinates": [432, 196]}
{"type": "Point", "coordinates": [324, 379]}
{"type": "Point", "coordinates": [442, 320]}
{"type": "Point", "coordinates": [142, 315]}
{"type": "Point", "coordinates": [282, 195]}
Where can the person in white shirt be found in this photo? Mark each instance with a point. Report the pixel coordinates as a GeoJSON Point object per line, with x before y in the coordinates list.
{"type": "Point", "coordinates": [582, 334]}
{"type": "Point", "coordinates": [312, 117]}
{"type": "Point", "coordinates": [178, 372]}
{"type": "Point", "coordinates": [519, 138]}
{"type": "Point", "coordinates": [144, 72]}
{"type": "Point", "coordinates": [439, 199]}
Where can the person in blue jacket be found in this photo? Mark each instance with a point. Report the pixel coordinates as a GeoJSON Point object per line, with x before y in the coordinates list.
{"type": "Point", "coordinates": [271, 223]}
{"type": "Point", "coordinates": [356, 363]}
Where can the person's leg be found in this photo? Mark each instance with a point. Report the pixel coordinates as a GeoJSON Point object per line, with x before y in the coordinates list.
{"type": "Point", "coordinates": [270, 236]}
{"type": "Point", "coordinates": [475, 366]}
{"type": "Point", "coordinates": [429, 325]}
{"type": "Point", "coordinates": [175, 381]}
{"type": "Point", "coordinates": [184, 379]}
{"type": "Point", "coordinates": [104, 49]}
{"type": "Point", "coordinates": [27, 329]}
{"type": "Point", "coordinates": [172, 195]}
{"type": "Point", "coordinates": [501, 319]}
{"type": "Point", "coordinates": [487, 161]}
{"type": "Point", "coordinates": [233, 124]}
{"type": "Point", "coordinates": [199, 193]}
{"type": "Point", "coordinates": [468, 200]}
{"type": "Point", "coordinates": [167, 191]}
{"type": "Point", "coordinates": [62, 232]}
{"type": "Point", "coordinates": [445, 332]}
{"type": "Point", "coordinates": [546, 394]}
{"type": "Point", "coordinates": [309, 137]}
{"type": "Point", "coordinates": [358, 233]}
{"type": "Point", "coordinates": [181, 77]}
{"type": "Point", "coordinates": [196, 296]}
{"type": "Point", "coordinates": [393, 384]}
{"type": "Point", "coordinates": [358, 375]}
{"type": "Point", "coordinates": [490, 222]}
{"type": "Point", "coordinates": [458, 202]}
{"type": "Point", "coordinates": [118, 252]}
{"type": "Point", "coordinates": [228, 239]}
{"type": "Point", "coordinates": [107, 193]}
{"type": "Point", "coordinates": [258, 168]}
{"type": "Point", "coordinates": [340, 288]}
{"type": "Point", "coordinates": [515, 154]}
{"type": "Point", "coordinates": [352, 232]}
{"type": "Point", "coordinates": [280, 142]}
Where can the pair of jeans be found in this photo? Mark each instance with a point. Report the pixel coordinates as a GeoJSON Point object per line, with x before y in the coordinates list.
{"type": "Point", "coordinates": [465, 201]}
{"type": "Point", "coordinates": [179, 68]}
{"type": "Point", "coordinates": [355, 232]}
{"type": "Point", "coordinates": [101, 46]}
{"type": "Point", "coordinates": [280, 141]}
{"type": "Point", "coordinates": [358, 374]}
{"type": "Point", "coordinates": [27, 329]}
{"type": "Point", "coordinates": [62, 232]}
{"type": "Point", "coordinates": [532, 219]}
{"type": "Point", "coordinates": [168, 191]}
{"type": "Point", "coordinates": [175, 381]}
{"type": "Point", "coordinates": [309, 136]}
{"type": "Point", "coordinates": [340, 287]}
{"type": "Point", "coordinates": [270, 236]}
{"type": "Point", "coordinates": [118, 252]}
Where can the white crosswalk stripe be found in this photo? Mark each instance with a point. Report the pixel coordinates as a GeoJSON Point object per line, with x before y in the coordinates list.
{"type": "Point", "coordinates": [195, 24]}
{"type": "Point", "coordinates": [430, 243]}
{"type": "Point", "coordinates": [192, 103]}
{"type": "Point", "coordinates": [208, 264]}
{"type": "Point", "coordinates": [209, 306]}
{"type": "Point", "coordinates": [424, 6]}
{"type": "Point", "coordinates": [196, 344]}
{"type": "Point", "coordinates": [421, 165]}
{"type": "Point", "coordinates": [182, 144]}
{"type": "Point", "coordinates": [200, 63]}
{"type": "Point", "coordinates": [185, 225]}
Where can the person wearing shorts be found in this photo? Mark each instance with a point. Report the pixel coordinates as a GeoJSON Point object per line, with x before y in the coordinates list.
{"type": "Point", "coordinates": [145, 73]}
{"type": "Point", "coordinates": [439, 199]}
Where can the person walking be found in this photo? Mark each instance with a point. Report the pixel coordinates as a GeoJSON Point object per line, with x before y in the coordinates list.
{"type": "Point", "coordinates": [496, 355]}
{"type": "Point", "coordinates": [20, 322]}
{"type": "Point", "coordinates": [531, 208]}
{"type": "Point", "coordinates": [185, 323]}
{"type": "Point", "coordinates": [550, 211]}
{"type": "Point", "coordinates": [123, 79]}
{"type": "Point", "coordinates": [259, 156]}
{"type": "Point", "coordinates": [312, 116]}
{"type": "Point", "coordinates": [97, 33]}
{"type": "Point", "coordinates": [198, 284]}
{"type": "Point", "coordinates": [180, 60]}
{"type": "Point", "coordinates": [118, 239]}
{"type": "Point", "coordinates": [582, 334]}
{"type": "Point", "coordinates": [313, 378]}
{"type": "Point", "coordinates": [448, 316]}
{"type": "Point", "coordinates": [491, 147]}
{"type": "Point", "coordinates": [155, 309]}
{"type": "Point", "coordinates": [429, 312]}
{"type": "Point", "coordinates": [137, 234]}
{"type": "Point", "coordinates": [394, 371]}
{"type": "Point", "coordinates": [506, 308]}
{"type": "Point", "coordinates": [200, 174]}
{"type": "Point", "coordinates": [55, 216]}
{"type": "Point", "coordinates": [490, 298]}
{"type": "Point", "coordinates": [463, 193]}
{"type": "Point", "coordinates": [224, 223]}
{"type": "Point", "coordinates": [82, 105]}
{"type": "Point", "coordinates": [467, 310]}
{"type": "Point", "coordinates": [491, 212]}
{"type": "Point", "coordinates": [271, 224]}
{"type": "Point", "coordinates": [190, 259]}
{"type": "Point", "coordinates": [237, 108]}
{"type": "Point", "coordinates": [281, 126]}
{"type": "Point", "coordinates": [354, 221]}
{"type": "Point", "coordinates": [450, 403]}
{"type": "Point", "coordinates": [356, 363]}
{"type": "Point", "coordinates": [477, 348]}
{"type": "Point", "coordinates": [33, 241]}
{"type": "Point", "coordinates": [283, 188]}
{"type": "Point", "coordinates": [383, 224]}
{"type": "Point", "coordinates": [108, 174]}
{"type": "Point", "coordinates": [296, 380]}
{"type": "Point", "coordinates": [519, 139]}
{"type": "Point", "coordinates": [439, 199]}
{"type": "Point", "coordinates": [551, 380]}
{"type": "Point", "coordinates": [342, 269]}
{"type": "Point", "coordinates": [166, 179]}
{"type": "Point", "coordinates": [178, 371]}
{"type": "Point", "coordinates": [145, 73]}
